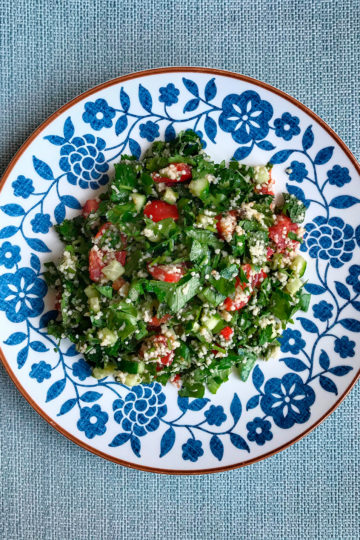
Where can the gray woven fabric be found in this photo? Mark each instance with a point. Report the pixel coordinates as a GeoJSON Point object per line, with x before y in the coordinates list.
{"type": "Point", "coordinates": [51, 50]}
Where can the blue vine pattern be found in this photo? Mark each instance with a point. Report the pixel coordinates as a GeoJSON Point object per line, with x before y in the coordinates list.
{"type": "Point", "coordinates": [84, 161]}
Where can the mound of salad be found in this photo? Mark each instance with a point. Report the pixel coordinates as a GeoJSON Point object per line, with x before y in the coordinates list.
{"type": "Point", "coordinates": [184, 270]}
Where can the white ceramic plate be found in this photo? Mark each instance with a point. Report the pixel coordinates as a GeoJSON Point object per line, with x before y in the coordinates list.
{"type": "Point", "coordinates": [69, 157]}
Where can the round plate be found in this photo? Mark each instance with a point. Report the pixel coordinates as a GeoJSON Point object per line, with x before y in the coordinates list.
{"type": "Point", "coordinates": [70, 157]}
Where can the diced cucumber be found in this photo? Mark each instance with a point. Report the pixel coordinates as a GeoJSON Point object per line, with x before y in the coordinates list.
{"type": "Point", "coordinates": [276, 261]}
{"type": "Point", "coordinates": [210, 322]}
{"type": "Point", "coordinates": [138, 200]}
{"type": "Point", "coordinates": [113, 270]}
{"type": "Point", "coordinates": [100, 373]}
{"type": "Point", "coordinates": [199, 187]}
{"type": "Point", "coordinates": [261, 174]}
{"type": "Point", "coordinates": [107, 337]}
{"type": "Point", "coordinates": [207, 222]}
{"type": "Point", "coordinates": [133, 379]}
{"type": "Point", "coordinates": [298, 265]}
{"type": "Point", "coordinates": [272, 351]}
{"type": "Point", "coordinates": [128, 366]}
{"type": "Point", "coordinates": [91, 292]}
{"type": "Point", "coordinates": [170, 196]}
{"type": "Point", "coordinates": [94, 304]}
{"type": "Point", "coordinates": [293, 285]}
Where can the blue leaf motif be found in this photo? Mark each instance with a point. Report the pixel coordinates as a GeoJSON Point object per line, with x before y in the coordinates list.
{"type": "Point", "coordinates": [15, 338]}
{"type": "Point", "coordinates": [89, 397]}
{"type": "Point", "coordinates": [312, 288]}
{"type": "Point", "coordinates": [118, 403]}
{"type": "Point", "coordinates": [235, 408]}
{"type": "Point", "coordinates": [210, 127]}
{"type": "Point", "coordinates": [55, 390]}
{"type": "Point", "coordinates": [328, 385]}
{"type": "Point", "coordinates": [295, 364]}
{"type": "Point", "coordinates": [308, 138]}
{"type": "Point", "coordinates": [217, 447]}
{"type": "Point", "coordinates": [191, 105]}
{"type": "Point", "coordinates": [298, 192]}
{"type": "Point", "coordinates": [183, 403]}
{"type": "Point", "coordinates": [170, 133]}
{"type": "Point", "coordinates": [308, 325]}
{"type": "Point", "coordinates": [340, 371]}
{"type": "Point", "coordinates": [38, 245]}
{"type": "Point", "coordinates": [67, 406]}
{"type": "Point", "coordinates": [42, 169]}
{"type": "Point", "coordinates": [145, 98]}
{"type": "Point", "coordinates": [12, 210]}
{"type": "Point", "coordinates": [344, 201]}
{"type": "Point", "coordinates": [253, 402]}
{"type": "Point", "coordinates": [356, 305]}
{"type": "Point", "coordinates": [281, 156]}
{"type": "Point", "coordinates": [167, 441]}
{"type": "Point", "coordinates": [6, 232]}
{"type": "Point", "coordinates": [242, 152]}
{"type": "Point", "coordinates": [191, 86]}
{"type": "Point", "coordinates": [324, 155]}
{"type": "Point", "coordinates": [71, 351]}
{"type": "Point", "coordinates": [324, 360]}
{"type": "Point", "coordinates": [35, 262]}
{"type": "Point", "coordinates": [342, 290]}
{"type": "Point", "coordinates": [69, 129]}
{"type": "Point", "coordinates": [22, 357]}
{"type": "Point", "coordinates": [55, 139]}
{"type": "Point", "coordinates": [121, 124]}
{"type": "Point", "coordinates": [210, 90]}
{"type": "Point", "coordinates": [71, 202]}
{"type": "Point", "coordinates": [239, 442]}
{"type": "Point", "coordinates": [257, 378]}
{"type": "Point", "coordinates": [46, 317]}
{"type": "Point", "coordinates": [38, 346]}
{"type": "Point", "coordinates": [134, 148]}
{"type": "Point", "coordinates": [124, 100]}
{"type": "Point", "coordinates": [60, 212]}
{"type": "Point", "coordinates": [197, 404]}
{"type": "Point", "coordinates": [265, 145]}
{"type": "Point", "coordinates": [351, 324]}
{"type": "Point", "coordinates": [120, 439]}
{"type": "Point", "coordinates": [135, 445]}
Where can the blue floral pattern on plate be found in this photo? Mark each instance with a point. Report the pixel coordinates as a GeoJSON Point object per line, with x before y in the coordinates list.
{"type": "Point", "coordinates": [71, 157]}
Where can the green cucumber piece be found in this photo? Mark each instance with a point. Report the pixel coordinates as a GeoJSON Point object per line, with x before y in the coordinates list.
{"type": "Point", "coordinates": [170, 196]}
{"type": "Point", "coordinates": [138, 200]}
{"type": "Point", "coordinates": [200, 187]}
{"type": "Point", "coordinates": [298, 265]}
{"type": "Point", "coordinates": [113, 270]}
{"type": "Point", "coordinates": [293, 285]}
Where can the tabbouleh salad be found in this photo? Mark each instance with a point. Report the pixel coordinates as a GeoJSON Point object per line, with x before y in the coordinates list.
{"type": "Point", "coordinates": [183, 270]}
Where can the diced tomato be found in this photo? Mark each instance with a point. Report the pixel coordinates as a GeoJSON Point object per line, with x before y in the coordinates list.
{"type": "Point", "coordinates": [102, 229]}
{"type": "Point", "coordinates": [120, 256]}
{"type": "Point", "coordinates": [172, 273]}
{"type": "Point", "coordinates": [181, 171]}
{"type": "Point", "coordinates": [240, 299]}
{"type": "Point", "coordinates": [227, 332]}
{"type": "Point", "coordinates": [155, 343]}
{"type": "Point", "coordinates": [90, 206]}
{"type": "Point", "coordinates": [278, 233]}
{"type": "Point", "coordinates": [268, 188]}
{"type": "Point", "coordinates": [118, 283]}
{"type": "Point", "coordinates": [269, 253]}
{"type": "Point", "coordinates": [158, 210]}
{"type": "Point", "coordinates": [155, 322]}
{"type": "Point", "coordinates": [176, 380]}
{"type": "Point", "coordinates": [168, 359]}
{"type": "Point", "coordinates": [96, 264]}
{"type": "Point", "coordinates": [226, 224]}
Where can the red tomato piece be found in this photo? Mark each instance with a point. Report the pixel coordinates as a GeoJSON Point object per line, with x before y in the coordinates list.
{"type": "Point", "coordinates": [172, 273]}
{"type": "Point", "coordinates": [278, 233]}
{"type": "Point", "coordinates": [120, 256]}
{"type": "Point", "coordinates": [241, 299]}
{"type": "Point", "coordinates": [158, 345]}
{"type": "Point", "coordinates": [226, 224]}
{"type": "Point", "coordinates": [173, 174]}
{"type": "Point", "coordinates": [96, 264]}
{"type": "Point", "coordinates": [156, 322]}
{"type": "Point", "coordinates": [176, 380]}
{"type": "Point", "coordinates": [227, 332]}
{"type": "Point", "coordinates": [269, 253]}
{"type": "Point", "coordinates": [158, 210]}
{"type": "Point", "coordinates": [102, 229]}
{"type": "Point", "coordinates": [268, 188]}
{"type": "Point", "coordinates": [90, 206]}
{"type": "Point", "coordinates": [118, 283]}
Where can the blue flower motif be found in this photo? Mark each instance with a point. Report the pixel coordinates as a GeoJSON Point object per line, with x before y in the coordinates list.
{"type": "Point", "coordinates": [287, 126]}
{"type": "Point", "coordinates": [21, 294]}
{"type": "Point", "coordinates": [98, 114]}
{"type": "Point", "coordinates": [331, 240]}
{"type": "Point", "coordinates": [149, 131]}
{"type": "Point", "coordinates": [41, 223]}
{"type": "Point", "coordinates": [23, 187]}
{"type": "Point", "coordinates": [246, 116]}
{"type": "Point", "coordinates": [297, 171]}
{"type": "Point", "coordinates": [215, 416]}
{"type": "Point", "coordinates": [259, 430]}
{"type": "Point", "coordinates": [353, 277]}
{"type": "Point", "coordinates": [291, 341]}
{"type": "Point", "coordinates": [84, 162]}
{"type": "Point", "coordinates": [40, 371]}
{"type": "Point", "coordinates": [81, 369]}
{"type": "Point", "coordinates": [141, 409]}
{"type": "Point", "coordinates": [323, 311]}
{"type": "Point", "coordinates": [192, 450]}
{"type": "Point", "coordinates": [169, 94]}
{"type": "Point", "coordinates": [338, 176]}
{"type": "Point", "coordinates": [345, 347]}
{"type": "Point", "coordinates": [92, 421]}
{"type": "Point", "coordinates": [9, 255]}
{"type": "Point", "coordinates": [287, 400]}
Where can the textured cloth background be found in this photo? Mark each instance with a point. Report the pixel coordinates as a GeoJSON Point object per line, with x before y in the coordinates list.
{"type": "Point", "coordinates": [50, 51]}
